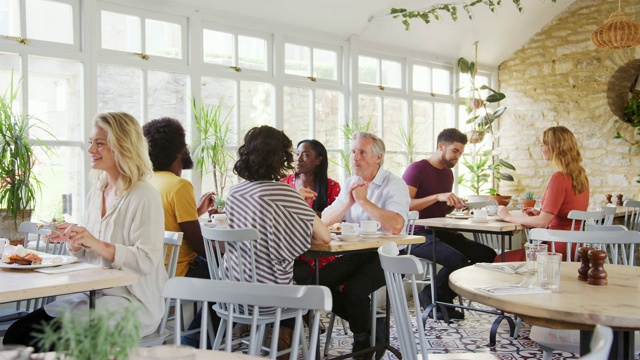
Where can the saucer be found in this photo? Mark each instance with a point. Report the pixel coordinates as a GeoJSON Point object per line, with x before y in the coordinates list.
{"type": "Point", "coordinates": [371, 235]}
{"type": "Point", "coordinates": [479, 220]}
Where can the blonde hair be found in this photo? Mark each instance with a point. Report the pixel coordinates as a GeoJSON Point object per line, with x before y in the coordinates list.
{"type": "Point", "coordinates": [129, 147]}
{"type": "Point", "coordinates": [565, 155]}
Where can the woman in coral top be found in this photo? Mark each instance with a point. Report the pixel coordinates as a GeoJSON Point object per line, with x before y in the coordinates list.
{"type": "Point", "coordinates": [568, 189]}
{"type": "Point", "coordinates": [311, 180]}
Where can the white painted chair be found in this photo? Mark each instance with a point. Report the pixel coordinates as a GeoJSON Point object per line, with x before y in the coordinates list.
{"type": "Point", "coordinates": [600, 344]}
{"type": "Point", "coordinates": [396, 267]}
{"type": "Point", "coordinates": [609, 214]}
{"type": "Point", "coordinates": [171, 249]}
{"type": "Point", "coordinates": [581, 217]}
{"type": "Point", "coordinates": [253, 298]}
{"type": "Point", "coordinates": [569, 340]}
{"type": "Point", "coordinates": [632, 217]}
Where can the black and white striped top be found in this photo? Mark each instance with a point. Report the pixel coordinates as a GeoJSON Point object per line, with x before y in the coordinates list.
{"type": "Point", "coordinates": [284, 221]}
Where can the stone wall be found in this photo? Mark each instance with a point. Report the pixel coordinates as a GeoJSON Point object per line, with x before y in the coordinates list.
{"type": "Point", "coordinates": [560, 78]}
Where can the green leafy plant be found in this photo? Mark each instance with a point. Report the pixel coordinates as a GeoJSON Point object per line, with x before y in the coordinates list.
{"type": "Point", "coordinates": [632, 117]}
{"type": "Point", "coordinates": [92, 335]}
{"type": "Point", "coordinates": [482, 162]}
{"type": "Point", "coordinates": [451, 9]}
{"type": "Point", "coordinates": [528, 195]}
{"type": "Point", "coordinates": [18, 184]}
{"type": "Point", "coordinates": [347, 131]}
{"type": "Point", "coordinates": [211, 153]}
{"type": "Point", "coordinates": [407, 140]}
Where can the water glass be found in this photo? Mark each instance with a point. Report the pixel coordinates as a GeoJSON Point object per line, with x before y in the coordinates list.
{"type": "Point", "coordinates": [531, 251]}
{"type": "Point", "coordinates": [548, 264]}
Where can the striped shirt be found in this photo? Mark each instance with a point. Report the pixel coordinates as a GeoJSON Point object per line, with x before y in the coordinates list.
{"type": "Point", "coordinates": [284, 221]}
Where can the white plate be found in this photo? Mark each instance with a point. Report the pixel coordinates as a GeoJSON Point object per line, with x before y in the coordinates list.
{"type": "Point", "coordinates": [349, 237]}
{"type": "Point", "coordinates": [48, 260]}
{"type": "Point", "coordinates": [479, 220]}
{"type": "Point", "coordinates": [459, 216]}
{"type": "Point", "coordinates": [373, 235]}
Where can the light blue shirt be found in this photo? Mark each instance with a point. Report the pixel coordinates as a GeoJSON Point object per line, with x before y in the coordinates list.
{"type": "Point", "coordinates": [387, 191]}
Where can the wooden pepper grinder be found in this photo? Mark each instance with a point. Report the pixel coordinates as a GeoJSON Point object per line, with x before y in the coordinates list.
{"type": "Point", "coordinates": [619, 202]}
{"type": "Point", "coordinates": [583, 270]}
{"type": "Point", "coordinates": [597, 274]}
{"type": "Point", "coordinates": [609, 196]}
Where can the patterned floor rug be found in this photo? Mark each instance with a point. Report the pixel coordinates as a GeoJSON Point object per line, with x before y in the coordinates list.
{"type": "Point", "coordinates": [468, 335]}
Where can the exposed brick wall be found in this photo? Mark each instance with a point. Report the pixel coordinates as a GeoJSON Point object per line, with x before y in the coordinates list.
{"type": "Point", "coordinates": [560, 78]}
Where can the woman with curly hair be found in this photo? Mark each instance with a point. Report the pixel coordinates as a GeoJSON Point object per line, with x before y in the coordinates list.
{"type": "Point", "coordinates": [568, 189]}
{"type": "Point", "coordinates": [286, 223]}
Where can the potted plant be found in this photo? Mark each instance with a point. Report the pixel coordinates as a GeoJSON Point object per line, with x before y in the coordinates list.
{"type": "Point", "coordinates": [482, 161]}
{"type": "Point", "coordinates": [211, 153]}
{"type": "Point", "coordinates": [503, 200]}
{"type": "Point", "coordinates": [528, 201]}
{"type": "Point", "coordinates": [92, 335]}
{"type": "Point", "coordinates": [18, 185]}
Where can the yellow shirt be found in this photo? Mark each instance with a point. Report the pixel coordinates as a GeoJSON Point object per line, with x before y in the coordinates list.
{"type": "Point", "coordinates": [179, 203]}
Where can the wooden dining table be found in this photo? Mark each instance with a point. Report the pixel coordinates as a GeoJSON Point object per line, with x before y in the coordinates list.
{"type": "Point", "coordinates": [574, 305]}
{"type": "Point", "coordinates": [24, 284]}
{"type": "Point", "coordinates": [199, 355]}
{"type": "Point", "coordinates": [362, 244]}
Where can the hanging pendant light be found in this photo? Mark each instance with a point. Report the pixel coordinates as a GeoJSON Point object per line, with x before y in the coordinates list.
{"type": "Point", "coordinates": [619, 32]}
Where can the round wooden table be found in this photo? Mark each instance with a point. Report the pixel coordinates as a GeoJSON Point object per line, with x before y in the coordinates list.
{"type": "Point", "coordinates": [574, 305]}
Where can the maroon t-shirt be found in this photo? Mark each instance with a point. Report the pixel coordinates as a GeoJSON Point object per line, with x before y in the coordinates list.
{"type": "Point", "coordinates": [429, 180]}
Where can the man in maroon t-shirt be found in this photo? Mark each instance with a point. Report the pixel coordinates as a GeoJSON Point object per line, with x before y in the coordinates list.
{"type": "Point", "coordinates": [430, 182]}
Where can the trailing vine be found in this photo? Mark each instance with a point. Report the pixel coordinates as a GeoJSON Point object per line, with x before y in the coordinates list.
{"type": "Point", "coordinates": [451, 8]}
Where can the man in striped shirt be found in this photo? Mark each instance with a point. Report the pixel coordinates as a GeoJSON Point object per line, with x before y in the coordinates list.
{"type": "Point", "coordinates": [372, 194]}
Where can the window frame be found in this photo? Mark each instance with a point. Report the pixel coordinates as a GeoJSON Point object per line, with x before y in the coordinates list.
{"type": "Point", "coordinates": [314, 45]}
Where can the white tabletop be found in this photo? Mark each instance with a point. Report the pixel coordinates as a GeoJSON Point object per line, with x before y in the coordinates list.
{"type": "Point", "coordinates": [28, 284]}
{"type": "Point", "coordinates": [492, 225]}
{"type": "Point", "coordinates": [365, 243]}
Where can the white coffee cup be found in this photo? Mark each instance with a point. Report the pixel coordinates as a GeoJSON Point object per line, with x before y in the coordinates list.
{"type": "Point", "coordinates": [369, 226]}
{"type": "Point", "coordinates": [349, 228]}
{"type": "Point", "coordinates": [4, 242]}
{"type": "Point", "coordinates": [492, 209]}
{"type": "Point", "coordinates": [219, 220]}
{"type": "Point", "coordinates": [479, 214]}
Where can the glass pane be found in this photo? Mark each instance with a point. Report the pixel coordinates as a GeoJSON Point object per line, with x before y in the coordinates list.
{"type": "Point", "coordinates": [297, 60]}
{"type": "Point", "coordinates": [368, 70]}
{"type": "Point", "coordinates": [369, 109]}
{"type": "Point", "coordinates": [167, 96]}
{"type": "Point", "coordinates": [256, 105]}
{"type": "Point", "coordinates": [120, 32]}
{"type": "Point", "coordinates": [421, 78]}
{"type": "Point", "coordinates": [120, 89]}
{"type": "Point", "coordinates": [392, 74]}
{"type": "Point", "coordinates": [394, 115]}
{"type": "Point", "coordinates": [62, 175]}
{"type": "Point", "coordinates": [443, 117]}
{"type": "Point", "coordinates": [423, 126]}
{"type": "Point", "coordinates": [483, 80]}
{"type": "Point", "coordinates": [395, 163]}
{"type": "Point", "coordinates": [252, 53]}
{"type": "Point", "coordinates": [10, 65]}
{"type": "Point", "coordinates": [327, 118]}
{"type": "Point", "coordinates": [335, 172]}
{"type": "Point", "coordinates": [442, 81]}
{"type": "Point", "coordinates": [296, 113]}
{"type": "Point", "coordinates": [49, 21]}
{"type": "Point", "coordinates": [217, 47]}
{"type": "Point", "coordinates": [10, 17]}
{"type": "Point", "coordinates": [325, 64]}
{"type": "Point", "coordinates": [56, 97]}
{"type": "Point", "coordinates": [163, 39]}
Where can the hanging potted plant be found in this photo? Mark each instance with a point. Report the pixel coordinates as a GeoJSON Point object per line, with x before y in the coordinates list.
{"type": "Point", "coordinates": [211, 153]}
{"type": "Point", "coordinates": [482, 161]}
{"type": "Point", "coordinates": [18, 184]}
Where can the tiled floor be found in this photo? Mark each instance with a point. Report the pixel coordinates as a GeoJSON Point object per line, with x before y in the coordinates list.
{"type": "Point", "coordinates": [469, 335]}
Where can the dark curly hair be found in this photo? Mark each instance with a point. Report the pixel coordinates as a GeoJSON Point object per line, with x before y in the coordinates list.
{"type": "Point", "coordinates": [265, 155]}
{"type": "Point", "coordinates": [166, 139]}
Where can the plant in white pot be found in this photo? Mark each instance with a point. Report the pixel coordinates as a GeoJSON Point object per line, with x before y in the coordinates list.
{"type": "Point", "coordinates": [19, 186]}
{"type": "Point", "coordinates": [211, 149]}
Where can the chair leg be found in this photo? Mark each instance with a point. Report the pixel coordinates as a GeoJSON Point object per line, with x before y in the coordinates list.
{"type": "Point", "coordinates": [327, 340]}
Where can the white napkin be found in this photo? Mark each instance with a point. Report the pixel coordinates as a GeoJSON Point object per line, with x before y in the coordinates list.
{"type": "Point", "coordinates": [68, 268]}
{"type": "Point", "coordinates": [503, 267]}
{"type": "Point", "coordinates": [511, 290]}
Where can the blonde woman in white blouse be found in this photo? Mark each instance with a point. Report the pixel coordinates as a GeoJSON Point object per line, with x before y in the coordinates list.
{"type": "Point", "coordinates": [123, 229]}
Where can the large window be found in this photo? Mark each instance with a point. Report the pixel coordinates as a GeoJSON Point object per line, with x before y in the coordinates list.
{"type": "Point", "coordinates": [239, 50]}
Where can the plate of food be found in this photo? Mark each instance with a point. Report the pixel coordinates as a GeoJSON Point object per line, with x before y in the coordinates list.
{"type": "Point", "coordinates": [461, 215]}
{"type": "Point", "coordinates": [21, 258]}
{"type": "Point", "coordinates": [335, 228]}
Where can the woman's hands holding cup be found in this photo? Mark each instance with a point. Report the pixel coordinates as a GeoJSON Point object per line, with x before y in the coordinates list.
{"type": "Point", "coordinates": [78, 237]}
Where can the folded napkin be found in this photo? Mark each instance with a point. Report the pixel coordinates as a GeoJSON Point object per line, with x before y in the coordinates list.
{"type": "Point", "coordinates": [68, 268]}
{"type": "Point", "coordinates": [511, 290]}
{"type": "Point", "coordinates": [506, 268]}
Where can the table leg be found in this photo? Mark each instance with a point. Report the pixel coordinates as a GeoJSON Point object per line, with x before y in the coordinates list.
{"type": "Point", "coordinates": [92, 299]}
{"type": "Point", "coordinates": [496, 324]}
